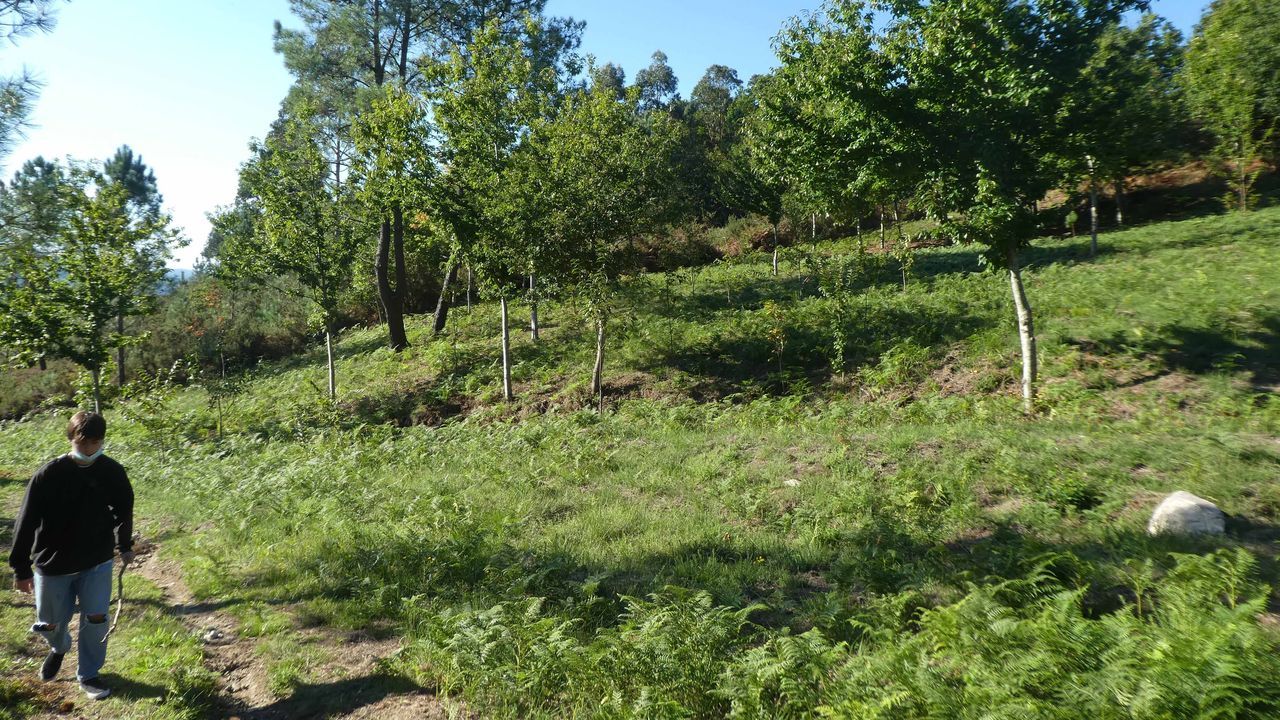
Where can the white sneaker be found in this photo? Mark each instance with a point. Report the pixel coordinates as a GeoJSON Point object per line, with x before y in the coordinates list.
{"type": "Point", "coordinates": [94, 688]}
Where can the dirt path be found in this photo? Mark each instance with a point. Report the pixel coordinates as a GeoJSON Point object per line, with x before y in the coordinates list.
{"type": "Point", "coordinates": [348, 683]}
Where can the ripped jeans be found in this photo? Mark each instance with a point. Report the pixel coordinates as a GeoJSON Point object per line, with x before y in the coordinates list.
{"type": "Point", "coordinates": [56, 597]}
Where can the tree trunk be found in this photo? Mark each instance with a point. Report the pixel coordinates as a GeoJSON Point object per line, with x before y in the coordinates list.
{"type": "Point", "coordinates": [775, 249]}
{"type": "Point", "coordinates": [1026, 333]}
{"type": "Point", "coordinates": [882, 240]}
{"type": "Point", "coordinates": [1244, 185]}
{"type": "Point", "coordinates": [44, 364]}
{"type": "Point", "coordinates": [392, 299]}
{"type": "Point", "coordinates": [222, 365]}
{"type": "Point", "coordinates": [597, 375]}
{"type": "Point", "coordinates": [97, 390]}
{"type": "Point", "coordinates": [468, 288]}
{"type": "Point", "coordinates": [533, 308]}
{"type": "Point", "coordinates": [506, 353]}
{"type": "Point", "coordinates": [1093, 211]}
{"type": "Point", "coordinates": [333, 374]}
{"type": "Point", "coordinates": [120, 352]}
{"type": "Point", "coordinates": [1120, 201]}
{"type": "Point", "coordinates": [813, 238]}
{"type": "Point", "coordinates": [442, 304]}
{"type": "Point", "coordinates": [402, 283]}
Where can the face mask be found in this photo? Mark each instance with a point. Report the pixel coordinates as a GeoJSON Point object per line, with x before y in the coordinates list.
{"type": "Point", "coordinates": [85, 459]}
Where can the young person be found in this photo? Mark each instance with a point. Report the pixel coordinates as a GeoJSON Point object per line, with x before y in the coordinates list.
{"type": "Point", "coordinates": [78, 509]}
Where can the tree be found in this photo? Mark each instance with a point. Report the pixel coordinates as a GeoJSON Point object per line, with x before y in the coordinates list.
{"type": "Point", "coordinates": [658, 84]}
{"type": "Point", "coordinates": [34, 212]}
{"type": "Point", "coordinates": [1232, 82]}
{"type": "Point", "coordinates": [963, 95]}
{"type": "Point", "coordinates": [104, 261]}
{"type": "Point", "coordinates": [20, 18]}
{"type": "Point", "coordinates": [349, 50]}
{"type": "Point", "coordinates": [237, 222]}
{"type": "Point", "coordinates": [749, 173]}
{"type": "Point", "coordinates": [712, 103]}
{"type": "Point", "coordinates": [714, 121]}
{"type": "Point", "coordinates": [394, 168]}
{"type": "Point", "coordinates": [602, 172]}
{"type": "Point", "coordinates": [143, 200]}
{"type": "Point", "coordinates": [1126, 110]}
{"type": "Point", "coordinates": [484, 98]}
{"type": "Point", "coordinates": [611, 78]}
{"type": "Point", "coordinates": [303, 230]}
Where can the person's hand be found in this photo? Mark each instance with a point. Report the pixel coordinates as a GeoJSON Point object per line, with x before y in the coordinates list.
{"type": "Point", "coordinates": [25, 585]}
{"type": "Point", "coordinates": [126, 557]}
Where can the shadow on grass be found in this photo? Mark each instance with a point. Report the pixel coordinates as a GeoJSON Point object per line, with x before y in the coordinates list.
{"type": "Point", "coordinates": [742, 361]}
{"type": "Point", "coordinates": [132, 690]}
{"type": "Point", "coordinates": [799, 589]}
{"type": "Point", "coordinates": [1157, 204]}
{"type": "Point", "coordinates": [337, 698]}
{"type": "Point", "coordinates": [1199, 351]}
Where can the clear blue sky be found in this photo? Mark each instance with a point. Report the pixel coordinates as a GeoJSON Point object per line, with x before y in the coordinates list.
{"type": "Point", "coordinates": [187, 84]}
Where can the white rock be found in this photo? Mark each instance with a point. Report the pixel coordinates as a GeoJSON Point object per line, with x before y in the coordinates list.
{"type": "Point", "coordinates": [1185, 514]}
{"type": "Point", "coordinates": [214, 636]}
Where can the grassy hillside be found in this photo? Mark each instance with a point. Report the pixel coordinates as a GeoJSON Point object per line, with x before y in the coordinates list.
{"type": "Point", "coordinates": [752, 532]}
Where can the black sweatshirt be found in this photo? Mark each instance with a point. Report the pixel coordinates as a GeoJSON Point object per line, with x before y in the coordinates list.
{"type": "Point", "coordinates": [73, 517]}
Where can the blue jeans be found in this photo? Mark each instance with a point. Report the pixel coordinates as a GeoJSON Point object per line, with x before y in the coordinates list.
{"type": "Point", "coordinates": [56, 597]}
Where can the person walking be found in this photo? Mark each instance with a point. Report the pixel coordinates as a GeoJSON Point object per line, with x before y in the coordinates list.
{"type": "Point", "coordinates": [77, 510]}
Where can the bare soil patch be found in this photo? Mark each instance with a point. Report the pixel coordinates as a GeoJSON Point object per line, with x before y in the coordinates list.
{"type": "Point", "coordinates": [351, 683]}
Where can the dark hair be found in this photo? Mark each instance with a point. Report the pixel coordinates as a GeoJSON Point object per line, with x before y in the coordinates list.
{"type": "Point", "coordinates": [86, 426]}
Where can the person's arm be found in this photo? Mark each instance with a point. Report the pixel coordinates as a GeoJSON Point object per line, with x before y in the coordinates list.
{"type": "Point", "coordinates": [122, 508]}
{"type": "Point", "coordinates": [24, 528]}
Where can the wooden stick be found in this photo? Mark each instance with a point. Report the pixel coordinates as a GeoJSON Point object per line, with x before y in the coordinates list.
{"type": "Point", "coordinates": [119, 601]}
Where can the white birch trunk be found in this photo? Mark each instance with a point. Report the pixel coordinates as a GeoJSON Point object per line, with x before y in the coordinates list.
{"type": "Point", "coordinates": [533, 309]}
{"type": "Point", "coordinates": [97, 390]}
{"type": "Point", "coordinates": [506, 352]}
{"type": "Point", "coordinates": [1093, 211]}
{"type": "Point", "coordinates": [1120, 202]}
{"type": "Point", "coordinates": [1026, 334]}
{"type": "Point", "coordinates": [120, 375]}
{"type": "Point", "coordinates": [333, 373]}
{"type": "Point", "coordinates": [775, 250]}
{"type": "Point", "coordinates": [597, 375]}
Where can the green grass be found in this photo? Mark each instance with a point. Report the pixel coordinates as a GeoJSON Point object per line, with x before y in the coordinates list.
{"type": "Point", "coordinates": [894, 540]}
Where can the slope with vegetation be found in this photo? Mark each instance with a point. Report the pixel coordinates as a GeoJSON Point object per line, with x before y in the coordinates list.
{"type": "Point", "coordinates": [756, 456]}
{"type": "Point", "coordinates": [750, 532]}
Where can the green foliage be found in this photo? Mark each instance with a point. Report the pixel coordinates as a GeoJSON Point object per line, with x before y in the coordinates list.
{"type": "Point", "coordinates": [305, 202]}
{"type": "Point", "coordinates": [776, 329]}
{"type": "Point", "coordinates": [1229, 79]}
{"type": "Point", "coordinates": [85, 253]}
{"type": "Point", "coordinates": [840, 276]}
{"type": "Point", "coordinates": [18, 93]}
{"type": "Point", "coordinates": [750, 172]}
{"type": "Point", "coordinates": [484, 98]}
{"type": "Point", "coordinates": [145, 402]}
{"type": "Point", "coordinates": [881, 106]}
{"type": "Point", "coordinates": [601, 173]}
{"type": "Point", "coordinates": [1030, 649]}
{"type": "Point", "coordinates": [395, 163]}
{"type": "Point", "coordinates": [220, 322]}
{"type": "Point", "coordinates": [1126, 108]}
{"type": "Point", "coordinates": [896, 542]}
